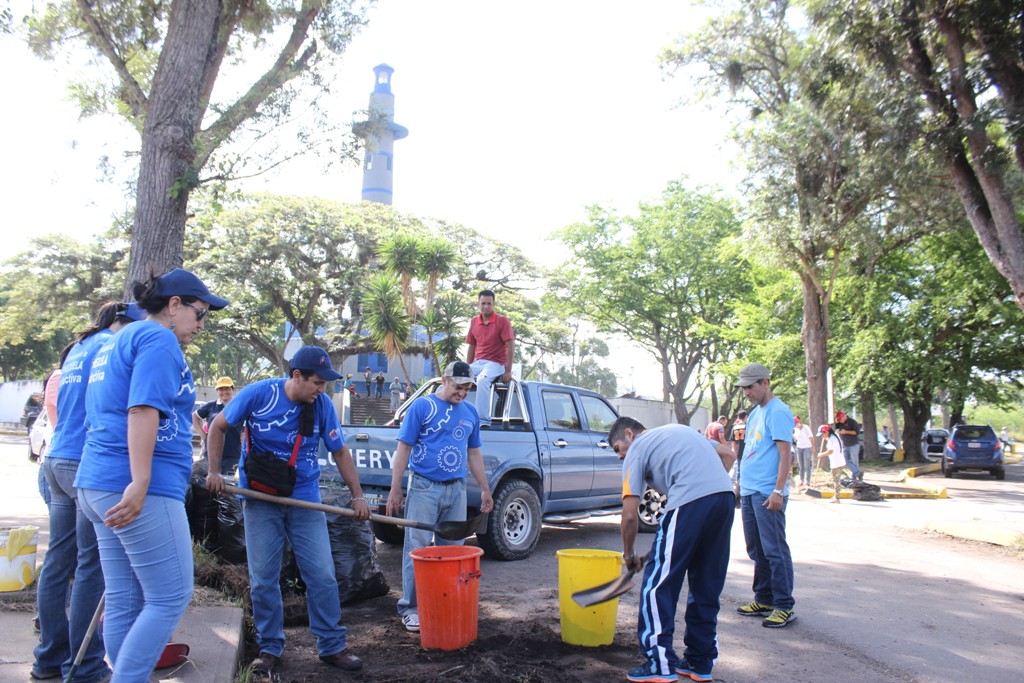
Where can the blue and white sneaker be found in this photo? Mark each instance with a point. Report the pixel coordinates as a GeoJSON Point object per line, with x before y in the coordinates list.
{"type": "Point", "coordinates": [647, 673]}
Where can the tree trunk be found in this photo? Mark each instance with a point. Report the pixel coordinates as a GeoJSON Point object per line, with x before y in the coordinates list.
{"type": "Point", "coordinates": [915, 417]}
{"type": "Point", "coordinates": [894, 425]}
{"type": "Point", "coordinates": [870, 425]}
{"type": "Point", "coordinates": [166, 170]}
{"type": "Point", "coordinates": [815, 339]}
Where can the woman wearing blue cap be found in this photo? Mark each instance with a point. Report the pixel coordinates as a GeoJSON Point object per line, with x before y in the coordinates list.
{"type": "Point", "coordinates": [63, 622]}
{"type": "Point", "coordinates": [135, 469]}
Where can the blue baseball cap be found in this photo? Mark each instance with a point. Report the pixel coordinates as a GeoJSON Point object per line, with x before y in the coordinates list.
{"type": "Point", "coordinates": [180, 282]}
{"type": "Point", "coordinates": [132, 311]}
{"type": "Point", "coordinates": [314, 359]}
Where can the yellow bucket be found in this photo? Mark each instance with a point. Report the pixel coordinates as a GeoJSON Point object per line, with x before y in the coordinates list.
{"type": "Point", "coordinates": [17, 557]}
{"type": "Point", "coordinates": [578, 570]}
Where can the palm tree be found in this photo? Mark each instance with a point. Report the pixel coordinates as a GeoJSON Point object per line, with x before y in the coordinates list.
{"type": "Point", "coordinates": [447, 320]}
{"type": "Point", "coordinates": [385, 317]}
{"type": "Point", "coordinates": [438, 258]}
{"type": "Point", "coordinates": [401, 256]}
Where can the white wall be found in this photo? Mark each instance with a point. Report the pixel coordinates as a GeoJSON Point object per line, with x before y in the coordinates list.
{"type": "Point", "coordinates": [655, 413]}
{"type": "Point", "coordinates": [13, 396]}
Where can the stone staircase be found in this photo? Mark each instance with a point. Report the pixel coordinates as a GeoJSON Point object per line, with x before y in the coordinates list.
{"type": "Point", "coordinates": [373, 409]}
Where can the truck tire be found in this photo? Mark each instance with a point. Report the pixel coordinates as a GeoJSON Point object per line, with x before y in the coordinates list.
{"type": "Point", "coordinates": [391, 534]}
{"type": "Point", "coordinates": [652, 508]}
{"type": "Point", "coordinates": [513, 527]}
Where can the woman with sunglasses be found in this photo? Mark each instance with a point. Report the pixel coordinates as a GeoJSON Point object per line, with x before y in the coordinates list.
{"type": "Point", "coordinates": [135, 469]}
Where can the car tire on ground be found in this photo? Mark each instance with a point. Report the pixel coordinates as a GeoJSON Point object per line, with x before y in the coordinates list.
{"type": "Point", "coordinates": [513, 527]}
{"type": "Point", "coordinates": [999, 473]}
{"type": "Point", "coordinates": [652, 509]}
{"type": "Point", "coordinates": [947, 471]}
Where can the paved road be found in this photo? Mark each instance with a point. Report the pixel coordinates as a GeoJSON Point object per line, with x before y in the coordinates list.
{"type": "Point", "coordinates": [878, 598]}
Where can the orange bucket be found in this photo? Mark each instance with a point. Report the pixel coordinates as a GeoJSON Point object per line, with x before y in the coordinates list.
{"type": "Point", "coordinates": [447, 590]}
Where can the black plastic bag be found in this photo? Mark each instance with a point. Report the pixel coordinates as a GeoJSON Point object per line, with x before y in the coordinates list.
{"type": "Point", "coordinates": [865, 491]}
{"type": "Point", "coordinates": [201, 508]}
{"type": "Point", "coordinates": [230, 529]}
{"type": "Point", "coordinates": [354, 550]}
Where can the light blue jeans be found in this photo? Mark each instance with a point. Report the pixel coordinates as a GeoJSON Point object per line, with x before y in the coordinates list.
{"type": "Point", "coordinates": [429, 502]}
{"type": "Point", "coordinates": [266, 527]}
{"type": "Point", "coordinates": [486, 371]}
{"type": "Point", "coordinates": [852, 453]}
{"type": "Point", "coordinates": [803, 456]}
{"type": "Point", "coordinates": [62, 626]}
{"type": "Point", "coordinates": [765, 533]}
{"type": "Point", "coordinates": [148, 570]}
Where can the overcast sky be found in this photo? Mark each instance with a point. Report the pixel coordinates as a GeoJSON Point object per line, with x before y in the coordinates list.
{"type": "Point", "coordinates": [520, 115]}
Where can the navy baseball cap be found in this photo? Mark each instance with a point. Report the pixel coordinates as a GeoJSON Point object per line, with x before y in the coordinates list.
{"type": "Point", "coordinates": [460, 373]}
{"type": "Point", "coordinates": [132, 311]}
{"type": "Point", "coordinates": [314, 359]}
{"type": "Point", "coordinates": [180, 282]}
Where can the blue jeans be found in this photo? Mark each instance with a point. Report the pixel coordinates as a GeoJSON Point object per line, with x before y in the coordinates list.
{"type": "Point", "coordinates": [62, 626]}
{"type": "Point", "coordinates": [765, 532]}
{"type": "Point", "coordinates": [266, 527]}
{"type": "Point", "coordinates": [803, 456]}
{"type": "Point", "coordinates": [429, 502]}
{"type": "Point", "coordinates": [486, 371]}
{"type": "Point", "coordinates": [851, 453]}
{"type": "Point", "coordinates": [148, 570]}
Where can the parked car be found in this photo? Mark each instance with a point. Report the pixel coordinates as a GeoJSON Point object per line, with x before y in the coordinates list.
{"type": "Point", "coordinates": [33, 406]}
{"type": "Point", "coordinates": [886, 448]}
{"type": "Point", "coordinates": [933, 442]}
{"type": "Point", "coordinates": [547, 458]}
{"type": "Point", "coordinates": [973, 447]}
{"type": "Point", "coordinates": [39, 438]}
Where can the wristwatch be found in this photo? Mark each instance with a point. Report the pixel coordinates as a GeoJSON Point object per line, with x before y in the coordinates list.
{"type": "Point", "coordinates": [779, 492]}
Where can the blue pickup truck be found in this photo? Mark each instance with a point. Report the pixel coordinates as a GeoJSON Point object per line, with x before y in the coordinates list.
{"type": "Point", "coordinates": [547, 459]}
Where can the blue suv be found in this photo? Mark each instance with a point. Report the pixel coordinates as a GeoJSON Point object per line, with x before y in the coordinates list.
{"type": "Point", "coordinates": [973, 447]}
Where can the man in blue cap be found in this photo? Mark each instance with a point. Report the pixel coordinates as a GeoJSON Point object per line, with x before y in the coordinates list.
{"type": "Point", "coordinates": [287, 419]}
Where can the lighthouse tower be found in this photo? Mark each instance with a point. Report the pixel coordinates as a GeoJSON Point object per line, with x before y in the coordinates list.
{"type": "Point", "coordinates": [380, 133]}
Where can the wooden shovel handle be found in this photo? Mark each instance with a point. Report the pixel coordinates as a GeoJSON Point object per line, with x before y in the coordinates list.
{"type": "Point", "coordinates": [332, 509]}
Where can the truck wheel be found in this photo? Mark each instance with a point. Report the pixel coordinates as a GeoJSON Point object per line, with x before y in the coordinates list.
{"type": "Point", "coordinates": [652, 508]}
{"type": "Point", "coordinates": [391, 534]}
{"type": "Point", "coordinates": [513, 527]}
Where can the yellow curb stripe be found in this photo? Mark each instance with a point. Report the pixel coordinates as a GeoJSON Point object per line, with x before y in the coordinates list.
{"type": "Point", "coordinates": [975, 532]}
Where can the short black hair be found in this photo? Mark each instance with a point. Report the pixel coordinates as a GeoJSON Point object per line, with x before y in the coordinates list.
{"type": "Point", "coordinates": [742, 415]}
{"type": "Point", "coordinates": [306, 374]}
{"type": "Point", "coordinates": [485, 292]}
{"type": "Point", "coordinates": [619, 427]}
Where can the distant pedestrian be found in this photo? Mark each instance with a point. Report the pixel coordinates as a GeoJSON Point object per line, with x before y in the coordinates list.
{"type": "Point", "coordinates": [832, 449]}
{"type": "Point", "coordinates": [350, 385]}
{"type": "Point", "coordinates": [691, 545]}
{"type": "Point", "coordinates": [716, 430]}
{"type": "Point", "coordinates": [396, 395]}
{"type": "Point", "coordinates": [205, 414]}
{"type": "Point", "coordinates": [380, 379]}
{"type": "Point", "coordinates": [886, 433]}
{"type": "Point", "coordinates": [764, 483]}
{"type": "Point", "coordinates": [803, 438]}
{"type": "Point", "coordinates": [848, 430]}
{"type": "Point", "coordinates": [739, 433]}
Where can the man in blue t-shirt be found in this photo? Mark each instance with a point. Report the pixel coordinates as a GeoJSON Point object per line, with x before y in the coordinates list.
{"type": "Point", "coordinates": [282, 417]}
{"type": "Point", "coordinates": [439, 440]}
{"type": "Point", "coordinates": [764, 480]}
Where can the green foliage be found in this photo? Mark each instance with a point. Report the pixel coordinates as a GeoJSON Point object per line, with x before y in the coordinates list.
{"type": "Point", "coordinates": [385, 317]}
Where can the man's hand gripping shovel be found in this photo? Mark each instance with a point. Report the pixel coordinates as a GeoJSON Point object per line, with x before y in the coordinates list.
{"type": "Point", "coordinates": [612, 589]}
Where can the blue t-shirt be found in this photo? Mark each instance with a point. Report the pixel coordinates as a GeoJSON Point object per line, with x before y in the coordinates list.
{"type": "Point", "coordinates": [273, 421]}
{"type": "Point", "coordinates": [760, 469]}
{"type": "Point", "coordinates": [142, 365]}
{"type": "Point", "coordinates": [69, 433]}
{"type": "Point", "coordinates": [439, 434]}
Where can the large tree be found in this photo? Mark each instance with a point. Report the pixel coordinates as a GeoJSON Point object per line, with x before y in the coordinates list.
{"type": "Point", "coordinates": [824, 142]}
{"type": "Point", "coordinates": [966, 59]}
{"type": "Point", "coordinates": [164, 60]}
{"type": "Point", "coordinates": [659, 280]}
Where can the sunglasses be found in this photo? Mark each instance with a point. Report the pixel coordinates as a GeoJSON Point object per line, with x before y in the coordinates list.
{"type": "Point", "coordinates": [200, 312]}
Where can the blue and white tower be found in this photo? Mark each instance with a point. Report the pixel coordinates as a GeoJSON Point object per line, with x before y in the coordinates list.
{"type": "Point", "coordinates": [380, 133]}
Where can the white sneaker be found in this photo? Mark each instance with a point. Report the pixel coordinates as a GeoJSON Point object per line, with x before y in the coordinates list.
{"type": "Point", "coordinates": [411, 622]}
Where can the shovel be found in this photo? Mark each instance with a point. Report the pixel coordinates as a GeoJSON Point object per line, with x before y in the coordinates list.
{"type": "Point", "coordinates": [450, 531]}
{"type": "Point", "coordinates": [610, 590]}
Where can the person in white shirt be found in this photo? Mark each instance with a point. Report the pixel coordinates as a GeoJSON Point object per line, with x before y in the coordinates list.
{"type": "Point", "coordinates": [832, 448]}
{"type": "Point", "coordinates": [803, 438]}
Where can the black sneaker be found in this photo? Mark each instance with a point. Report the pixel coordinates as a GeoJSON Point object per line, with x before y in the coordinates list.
{"type": "Point", "coordinates": [264, 665]}
{"type": "Point", "coordinates": [684, 668]}
{"type": "Point", "coordinates": [647, 673]}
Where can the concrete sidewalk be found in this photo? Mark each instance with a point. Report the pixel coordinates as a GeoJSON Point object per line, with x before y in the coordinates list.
{"type": "Point", "coordinates": [214, 636]}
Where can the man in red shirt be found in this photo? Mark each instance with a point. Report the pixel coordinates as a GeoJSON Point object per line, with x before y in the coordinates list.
{"type": "Point", "coordinates": [716, 430]}
{"type": "Point", "coordinates": [491, 350]}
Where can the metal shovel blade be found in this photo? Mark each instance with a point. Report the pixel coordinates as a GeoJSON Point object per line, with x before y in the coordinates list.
{"type": "Point", "coordinates": [456, 531]}
{"type": "Point", "coordinates": [608, 591]}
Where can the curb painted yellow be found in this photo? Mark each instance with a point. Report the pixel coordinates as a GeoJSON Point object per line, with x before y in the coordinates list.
{"type": "Point", "coordinates": [912, 472]}
{"type": "Point", "coordinates": [1011, 458]}
{"type": "Point", "coordinates": [975, 532]}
